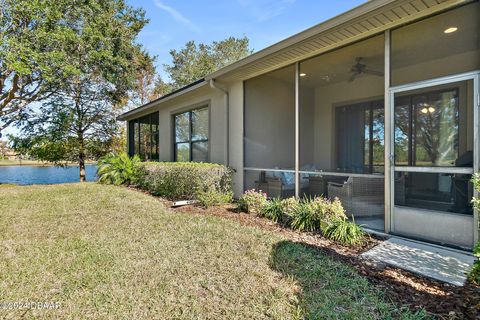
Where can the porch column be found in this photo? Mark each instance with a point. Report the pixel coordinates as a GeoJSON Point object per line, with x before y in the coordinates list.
{"type": "Point", "coordinates": [388, 137]}
{"type": "Point", "coordinates": [297, 129]}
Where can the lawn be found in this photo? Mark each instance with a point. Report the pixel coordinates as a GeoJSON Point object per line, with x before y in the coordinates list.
{"type": "Point", "coordinates": [110, 252]}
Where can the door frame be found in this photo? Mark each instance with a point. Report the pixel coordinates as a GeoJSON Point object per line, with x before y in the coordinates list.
{"type": "Point", "coordinates": [390, 127]}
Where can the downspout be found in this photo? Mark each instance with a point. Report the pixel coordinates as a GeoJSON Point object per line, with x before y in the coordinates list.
{"type": "Point", "coordinates": [224, 90]}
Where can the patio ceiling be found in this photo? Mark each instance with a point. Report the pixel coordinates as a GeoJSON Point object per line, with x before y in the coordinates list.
{"type": "Point", "coordinates": [369, 19]}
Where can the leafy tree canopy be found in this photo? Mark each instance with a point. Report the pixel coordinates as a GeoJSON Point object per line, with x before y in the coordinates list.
{"type": "Point", "coordinates": [38, 39]}
{"type": "Point", "coordinates": [101, 56]}
{"type": "Point", "coordinates": [194, 62]}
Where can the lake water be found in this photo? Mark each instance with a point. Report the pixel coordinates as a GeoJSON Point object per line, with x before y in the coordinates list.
{"type": "Point", "coordinates": [44, 175]}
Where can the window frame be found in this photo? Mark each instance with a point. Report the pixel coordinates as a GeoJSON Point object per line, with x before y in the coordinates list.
{"type": "Point", "coordinates": [134, 143]}
{"type": "Point", "coordinates": [190, 139]}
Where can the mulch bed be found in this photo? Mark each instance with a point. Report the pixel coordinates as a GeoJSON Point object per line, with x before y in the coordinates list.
{"type": "Point", "coordinates": [439, 299]}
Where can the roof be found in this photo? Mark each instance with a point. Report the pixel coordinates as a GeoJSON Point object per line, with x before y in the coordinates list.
{"type": "Point", "coordinates": [369, 19]}
{"type": "Point", "coordinates": [168, 96]}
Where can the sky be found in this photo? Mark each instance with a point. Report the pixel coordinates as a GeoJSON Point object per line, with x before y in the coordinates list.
{"type": "Point", "coordinates": [265, 22]}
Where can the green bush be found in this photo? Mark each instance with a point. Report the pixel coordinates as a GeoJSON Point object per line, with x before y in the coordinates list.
{"type": "Point", "coordinates": [474, 275]}
{"type": "Point", "coordinates": [252, 201]}
{"type": "Point", "coordinates": [304, 218]}
{"type": "Point", "coordinates": [273, 210]}
{"type": "Point", "coordinates": [316, 213]}
{"type": "Point", "coordinates": [117, 169]}
{"type": "Point", "coordinates": [345, 232]}
{"type": "Point", "coordinates": [185, 180]}
{"type": "Point", "coordinates": [326, 211]}
{"type": "Point", "coordinates": [289, 206]}
{"type": "Point", "coordinates": [214, 198]}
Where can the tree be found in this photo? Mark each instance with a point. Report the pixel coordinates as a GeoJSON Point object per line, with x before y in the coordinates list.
{"type": "Point", "coordinates": [33, 61]}
{"type": "Point", "coordinates": [78, 121]}
{"type": "Point", "coordinates": [194, 62]}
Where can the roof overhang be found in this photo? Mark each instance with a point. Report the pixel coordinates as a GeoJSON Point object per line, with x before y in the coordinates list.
{"type": "Point", "coordinates": [366, 20]}
{"type": "Point", "coordinates": [140, 110]}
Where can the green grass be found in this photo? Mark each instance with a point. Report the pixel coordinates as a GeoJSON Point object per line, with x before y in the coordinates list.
{"type": "Point", "coordinates": [107, 252]}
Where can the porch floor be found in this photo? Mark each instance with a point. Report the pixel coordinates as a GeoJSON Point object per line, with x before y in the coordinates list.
{"type": "Point", "coordinates": [451, 266]}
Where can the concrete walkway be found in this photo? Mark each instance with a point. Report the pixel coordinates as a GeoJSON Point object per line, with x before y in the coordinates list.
{"type": "Point", "coordinates": [451, 266]}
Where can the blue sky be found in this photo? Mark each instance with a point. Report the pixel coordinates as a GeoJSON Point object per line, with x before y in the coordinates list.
{"type": "Point", "coordinates": [264, 22]}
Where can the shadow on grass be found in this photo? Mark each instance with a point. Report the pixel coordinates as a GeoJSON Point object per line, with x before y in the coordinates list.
{"type": "Point", "coordinates": [331, 289]}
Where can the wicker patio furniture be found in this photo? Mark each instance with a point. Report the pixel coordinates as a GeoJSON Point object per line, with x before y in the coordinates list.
{"type": "Point", "coordinates": [360, 196]}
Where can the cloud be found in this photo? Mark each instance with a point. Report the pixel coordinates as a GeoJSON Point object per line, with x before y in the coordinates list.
{"type": "Point", "coordinates": [176, 15]}
{"type": "Point", "coordinates": [264, 10]}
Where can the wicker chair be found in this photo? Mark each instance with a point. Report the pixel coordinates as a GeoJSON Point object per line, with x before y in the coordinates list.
{"type": "Point", "coordinates": [275, 188]}
{"type": "Point", "coordinates": [360, 196]}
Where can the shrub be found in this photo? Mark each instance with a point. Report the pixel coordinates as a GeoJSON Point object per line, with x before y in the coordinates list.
{"type": "Point", "coordinates": [304, 218]}
{"type": "Point", "coordinates": [214, 198]}
{"type": "Point", "coordinates": [185, 180]}
{"type": "Point", "coordinates": [252, 201]}
{"type": "Point", "coordinates": [289, 206]}
{"type": "Point", "coordinates": [273, 210]}
{"type": "Point", "coordinates": [326, 211]}
{"type": "Point", "coordinates": [345, 232]}
{"type": "Point", "coordinates": [117, 169]}
{"type": "Point", "coordinates": [474, 275]}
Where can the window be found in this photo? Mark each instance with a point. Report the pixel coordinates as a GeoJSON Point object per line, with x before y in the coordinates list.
{"type": "Point", "coordinates": [427, 127]}
{"type": "Point", "coordinates": [191, 135]}
{"type": "Point", "coordinates": [360, 133]}
{"type": "Point", "coordinates": [143, 137]}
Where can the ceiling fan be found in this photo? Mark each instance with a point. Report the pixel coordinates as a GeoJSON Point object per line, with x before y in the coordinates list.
{"type": "Point", "coordinates": [360, 68]}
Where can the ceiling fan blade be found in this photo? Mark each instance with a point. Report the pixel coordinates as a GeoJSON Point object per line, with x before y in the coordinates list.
{"type": "Point", "coordinates": [353, 76]}
{"type": "Point", "coordinates": [373, 72]}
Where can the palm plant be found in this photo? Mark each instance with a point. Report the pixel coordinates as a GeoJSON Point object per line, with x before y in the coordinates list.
{"type": "Point", "coordinates": [344, 231]}
{"type": "Point", "coordinates": [304, 218]}
{"type": "Point", "coordinates": [117, 169]}
{"type": "Point", "coordinates": [273, 210]}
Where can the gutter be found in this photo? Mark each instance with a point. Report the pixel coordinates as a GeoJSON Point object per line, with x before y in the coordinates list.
{"type": "Point", "coordinates": [224, 90]}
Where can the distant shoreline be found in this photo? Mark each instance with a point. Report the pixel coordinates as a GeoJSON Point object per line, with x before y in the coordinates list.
{"type": "Point", "coordinates": [11, 163]}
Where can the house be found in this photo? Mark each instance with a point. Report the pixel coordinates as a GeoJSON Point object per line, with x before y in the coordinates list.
{"type": "Point", "coordinates": [377, 106]}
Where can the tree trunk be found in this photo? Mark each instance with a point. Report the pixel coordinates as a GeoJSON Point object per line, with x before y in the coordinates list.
{"type": "Point", "coordinates": [81, 162]}
{"type": "Point", "coordinates": [81, 157]}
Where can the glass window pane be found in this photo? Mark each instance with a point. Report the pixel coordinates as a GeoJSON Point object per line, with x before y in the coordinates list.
{"type": "Point", "coordinates": [434, 191]}
{"type": "Point", "coordinates": [200, 151]}
{"type": "Point", "coordinates": [145, 143]}
{"type": "Point", "coordinates": [131, 138]}
{"type": "Point", "coordinates": [182, 152]}
{"type": "Point", "coordinates": [200, 124]}
{"type": "Point", "coordinates": [136, 137]}
{"type": "Point", "coordinates": [182, 127]}
{"type": "Point", "coordinates": [402, 131]}
{"type": "Point", "coordinates": [155, 136]}
{"type": "Point", "coordinates": [434, 127]}
{"type": "Point", "coordinates": [378, 140]}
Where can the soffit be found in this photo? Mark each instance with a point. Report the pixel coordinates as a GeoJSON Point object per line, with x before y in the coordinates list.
{"type": "Point", "coordinates": [364, 21]}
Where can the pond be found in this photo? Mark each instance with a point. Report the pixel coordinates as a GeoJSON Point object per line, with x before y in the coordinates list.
{"type": "Point", "coordinates": [44, 175]}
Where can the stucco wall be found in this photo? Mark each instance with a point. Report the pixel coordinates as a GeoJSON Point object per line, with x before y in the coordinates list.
{"type": "Point", "coordinates": [236, 134]}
